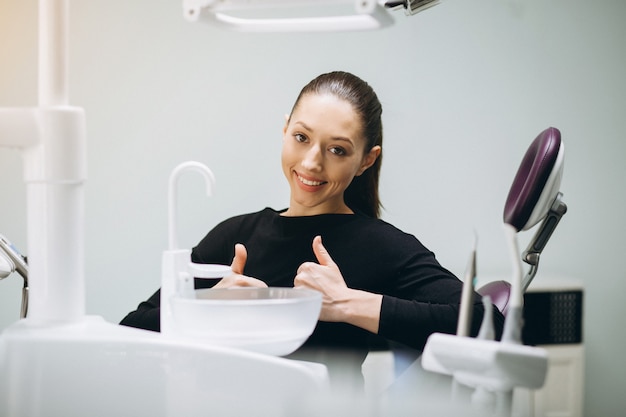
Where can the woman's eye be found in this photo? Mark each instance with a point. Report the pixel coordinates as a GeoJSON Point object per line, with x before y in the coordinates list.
{"type": "Point", "coordinates": [300, 137]}
{"type": "Point", "coordinates": [338, 151]}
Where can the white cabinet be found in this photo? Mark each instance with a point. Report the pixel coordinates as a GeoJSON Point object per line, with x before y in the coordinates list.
{"type": "Point", "coordinates": [563, 392]}
{"type": "Point", "coordinates": [555, 324]}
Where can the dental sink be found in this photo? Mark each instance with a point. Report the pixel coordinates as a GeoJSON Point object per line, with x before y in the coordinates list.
{"type": "Point", "coordinates": [274, 321]}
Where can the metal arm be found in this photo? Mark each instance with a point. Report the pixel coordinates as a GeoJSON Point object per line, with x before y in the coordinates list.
{"type": "Point", "coordinates": [533, 252]}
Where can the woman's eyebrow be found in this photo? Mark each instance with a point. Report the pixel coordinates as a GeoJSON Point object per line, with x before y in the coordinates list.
{"type": "Point", "coordinates": [304, 125]}
{"type": "Point", "coordinates": [344, 139]}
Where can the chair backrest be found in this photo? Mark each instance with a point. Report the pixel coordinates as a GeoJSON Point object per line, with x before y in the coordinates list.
{"type": "Point", "coordinates": [500, 293]}
{"type": "Point", "coordinates": [537, 181]}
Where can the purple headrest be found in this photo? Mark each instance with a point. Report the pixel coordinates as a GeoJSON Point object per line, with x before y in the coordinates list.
{"type": "Point", "coordinates": [531, 179]}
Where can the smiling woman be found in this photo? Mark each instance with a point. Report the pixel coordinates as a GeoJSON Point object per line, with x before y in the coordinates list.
{"type": "Point", "coordinates": [374, 278]}
{"type": "Point", "coordinates": [323, 151]}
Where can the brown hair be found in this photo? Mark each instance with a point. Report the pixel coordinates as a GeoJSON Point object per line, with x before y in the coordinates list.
{"type": "Point", "coordinates": [362, 193]}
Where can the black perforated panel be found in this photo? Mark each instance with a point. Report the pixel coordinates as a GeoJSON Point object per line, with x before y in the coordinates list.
{"type": "Point", "coordinates": [553, 318]}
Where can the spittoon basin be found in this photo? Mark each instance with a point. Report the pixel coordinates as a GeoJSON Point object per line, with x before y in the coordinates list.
{"type": "Point", "coordinates": [274, 321]}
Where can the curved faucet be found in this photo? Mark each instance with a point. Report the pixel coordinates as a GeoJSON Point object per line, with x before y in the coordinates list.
{"type": "Point", "coordinates": [172, 194]}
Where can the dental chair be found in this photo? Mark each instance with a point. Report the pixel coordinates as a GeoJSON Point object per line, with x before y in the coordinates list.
{"type": "Point", "coordinates": [534, 196]}
{"type": "Point", "coordinates": [493, 369]}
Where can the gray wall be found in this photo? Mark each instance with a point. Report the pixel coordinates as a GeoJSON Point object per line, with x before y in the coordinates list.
{"type": "Point", "coordinates": [465, 87]}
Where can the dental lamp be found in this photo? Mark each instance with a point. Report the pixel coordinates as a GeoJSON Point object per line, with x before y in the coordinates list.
{"type": "Point", "coordinates": [488, 366]}
{"type": "Point", "coordinates": [367, 14]}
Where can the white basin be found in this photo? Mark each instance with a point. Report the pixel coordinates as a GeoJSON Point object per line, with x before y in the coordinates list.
{"type": "Point", "coordinates": [275, 321]}
{"type": "Point", "coordinates": [98, 369]}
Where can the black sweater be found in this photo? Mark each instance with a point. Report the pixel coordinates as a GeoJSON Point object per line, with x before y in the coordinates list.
{"type": "Point", "coordinates": [419, 295]}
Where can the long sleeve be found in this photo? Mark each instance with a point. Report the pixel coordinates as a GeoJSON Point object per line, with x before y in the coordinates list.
{"type": "Point", "coordinates": [411, 322]}
{"type": "Point", "coordinates": [147, 316]}
{"type": "Point", "coordinates": [425, 299]}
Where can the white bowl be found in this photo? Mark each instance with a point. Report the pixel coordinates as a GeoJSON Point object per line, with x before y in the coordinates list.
{"type": "Point", "coordinates": [274, 321]}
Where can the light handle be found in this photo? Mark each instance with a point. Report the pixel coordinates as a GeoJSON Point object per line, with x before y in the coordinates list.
{"type": "Point", "coordinates": [369, 15]}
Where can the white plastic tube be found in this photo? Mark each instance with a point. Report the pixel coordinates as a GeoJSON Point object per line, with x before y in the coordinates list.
{"type": "Point", "coordinates": [53, 52]}
{"type": "Point", "coordinates": [54, 172]}
{"type": "Point", "coordinates": [513, 323]}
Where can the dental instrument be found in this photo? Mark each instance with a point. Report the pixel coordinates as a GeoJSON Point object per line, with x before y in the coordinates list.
{"type": "Point", "coordinates": [499, 367]}
{"type": "Point", "coordinates": [11, 260]}
{"type": "Point", "coordinates": [467, 295]}
{"type": "Point", "coordinates": [14, 261]}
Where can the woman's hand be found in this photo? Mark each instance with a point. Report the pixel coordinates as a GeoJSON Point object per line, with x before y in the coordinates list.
{"type": "Point", "coordinates": [237, 278]}
{"type": "Point", "coordinates": [339, 303]}
{"type": "Point", "coordinates": [326, 278]}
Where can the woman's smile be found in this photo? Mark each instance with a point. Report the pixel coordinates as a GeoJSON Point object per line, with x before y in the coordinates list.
{"type": "Point", "coordinates": [310, 182]}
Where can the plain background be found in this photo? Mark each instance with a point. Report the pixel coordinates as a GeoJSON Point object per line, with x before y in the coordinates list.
{"type": "Point", "coordinates": [465, 87]}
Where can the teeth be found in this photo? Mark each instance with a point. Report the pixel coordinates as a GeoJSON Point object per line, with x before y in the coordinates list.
{"type": "Point", "coordinates": [311, 183]}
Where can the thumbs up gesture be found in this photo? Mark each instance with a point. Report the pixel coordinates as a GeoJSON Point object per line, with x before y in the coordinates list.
{"type": "Point", "coordinates": [339, 303]}
{"type": "Point", "coordinates": [237, 278]}
{"type": "Point", "coordinates": [326, 278]}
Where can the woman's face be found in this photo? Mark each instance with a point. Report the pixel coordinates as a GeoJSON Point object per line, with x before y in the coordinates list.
{"type": "Point", "coordinates": [323, 150]}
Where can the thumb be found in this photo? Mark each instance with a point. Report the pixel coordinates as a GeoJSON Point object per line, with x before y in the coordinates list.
{"type": "Point", "coordinates": [321, 253]}
{"type": "Point", "coordinates": [239, 261]}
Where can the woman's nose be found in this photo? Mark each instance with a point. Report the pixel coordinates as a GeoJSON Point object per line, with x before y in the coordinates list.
{"type": "Point", "coordinates": [313, 158]}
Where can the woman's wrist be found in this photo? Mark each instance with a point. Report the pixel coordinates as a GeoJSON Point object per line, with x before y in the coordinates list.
{"type": "Point", "coordinates": [362, 309]}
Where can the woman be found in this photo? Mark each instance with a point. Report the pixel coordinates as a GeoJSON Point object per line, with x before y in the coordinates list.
{"type": "Point", "coordinates": [375, 279]}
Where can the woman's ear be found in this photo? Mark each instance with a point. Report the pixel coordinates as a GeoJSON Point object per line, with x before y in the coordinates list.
{"type": "Point", "coordinates": [286, 123]}
{"type": "Point", "coordinates": [369, 159]}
